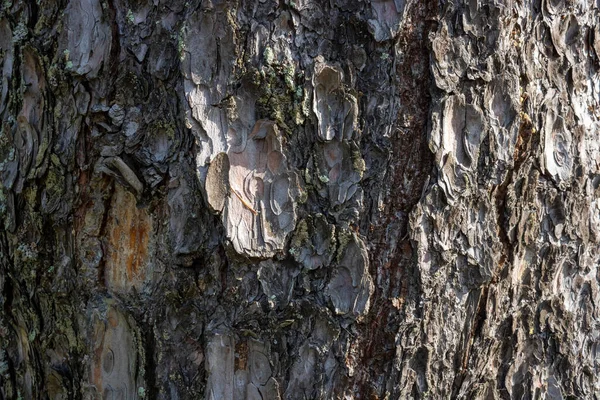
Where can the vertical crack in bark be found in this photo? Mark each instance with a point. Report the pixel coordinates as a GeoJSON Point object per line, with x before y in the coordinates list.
{"type": "Point", "coordinates": [473, 334]}
{"type": "Point", "coordinates": [526, 142]}
{"type": "Point", "coordinates": [103, 225]}
{"type": "Point", "coordinates": [499, 194]}
{"type": "Point", "coordinates": [150, 366]}
{"type": "Point", "coordinates": [115, 48]}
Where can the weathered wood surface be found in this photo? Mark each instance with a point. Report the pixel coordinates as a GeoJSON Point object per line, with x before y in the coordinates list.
{"type": "Point", "coordinates": [277, 199]}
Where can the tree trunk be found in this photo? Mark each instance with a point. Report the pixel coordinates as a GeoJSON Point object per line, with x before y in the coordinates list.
{"type": "Point", "coordinates": [302, 199]}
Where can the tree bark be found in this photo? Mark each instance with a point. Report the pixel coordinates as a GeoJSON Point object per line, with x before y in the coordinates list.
{"type": "Point", "coordinates": [279, 199]}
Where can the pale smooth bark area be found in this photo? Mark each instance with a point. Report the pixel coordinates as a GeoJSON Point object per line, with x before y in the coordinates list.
{"type": "Point", "coordinates": [299, 199]}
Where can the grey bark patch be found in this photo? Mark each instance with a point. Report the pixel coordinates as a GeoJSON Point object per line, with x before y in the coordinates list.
{"type": "Point", "coordinates": [455, 139]}
{"type": "Point", "coordinates": [7, 59]}
{"type": "Point", "coordinates": [87, 41]}
{"type": "Point", "coordinates": [186, 231]}
{"type": "Point", "coordinates": [259, 363]}
{"type": "Point", "coordinates": [351, 286]}
{"type": "Point", "coordinates": [388, 16]}
{"type": "Point", "coordinates": [277, 281]}
{"type": "Point", "coordinates": [217, 182]}
{"type": "Point", "coordinates": [336, 109]}
{"type": "Point", "coordinates": [557, 157]}
{"type": "Point", "coordinates": [117, 114]}
{"type": "Point", "coordinates": [302, 374]}
{"type": "Point", "coordinates": [115, 361]}
{"type": "Point", "coordinates": [339, 169]}
{"type": "Point", "coordinates": [313, 242]}
{"type": "Point", "coordinates": [32, 136]}
{"type": "Point", "coordinates": [219, 366]}
{"type": "Point", "coordinates": [260, 212]}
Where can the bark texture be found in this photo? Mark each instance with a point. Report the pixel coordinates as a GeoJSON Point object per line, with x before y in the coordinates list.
{"type": "Point", "coordinates": [299, 199]}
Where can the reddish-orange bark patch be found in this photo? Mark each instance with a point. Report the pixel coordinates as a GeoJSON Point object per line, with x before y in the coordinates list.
{"type": "Point", "coordinates": [128, 232]}
{"type": "Point", "coordinates": [241, 356]}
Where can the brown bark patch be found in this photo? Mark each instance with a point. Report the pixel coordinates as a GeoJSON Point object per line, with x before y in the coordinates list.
{"type": "Point", "coordinates": [241, 356]}
{"type": "Point", "coordinates": [128, 234]}
{"type": "Point", "coordinates": [114, 362]}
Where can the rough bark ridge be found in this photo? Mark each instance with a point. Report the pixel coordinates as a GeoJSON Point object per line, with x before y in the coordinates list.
{"type": "Point", "coordinates": [299, 199]}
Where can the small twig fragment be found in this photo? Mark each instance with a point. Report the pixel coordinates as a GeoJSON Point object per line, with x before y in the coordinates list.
{"type": "Point", "coordinates": [126, 172]}
{"type": "Point", "coordinates": [244, 202]}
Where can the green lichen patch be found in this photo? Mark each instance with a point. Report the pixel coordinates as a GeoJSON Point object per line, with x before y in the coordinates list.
{"type": "Point", "coordinates": [300, 237]}
{"type": "Point", "coordinates": [358, 163]}
{"type": "Point", "coordinates": [343, 238]}
{"type": "Point", "coordinates": [280, 92]}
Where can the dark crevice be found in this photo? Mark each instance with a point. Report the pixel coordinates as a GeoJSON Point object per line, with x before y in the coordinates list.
{"type": "Point", "coordinates": [33, 14]}
{"type": "Point", "coordinates": [500, 196]}
{"type": "Point", "coordinates": [527, 141]}
{"type": "Point", "coordinates": [150, 361]}
{"type": "Point", "coordinates": [115, 48]}
{"type": "Point", "coordinates": [475, 331]}
{"type": "Point", "coordinates": [103, 225]}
